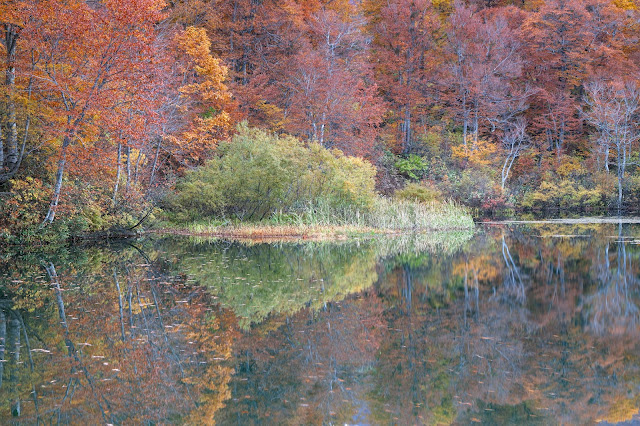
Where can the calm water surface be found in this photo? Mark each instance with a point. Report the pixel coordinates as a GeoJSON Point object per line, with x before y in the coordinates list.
{"type": "Point", "coordinates": [515, 324]}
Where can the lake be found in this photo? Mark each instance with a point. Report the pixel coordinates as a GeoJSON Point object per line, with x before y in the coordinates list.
{"type": "Point", "coordinates": [511, 324]}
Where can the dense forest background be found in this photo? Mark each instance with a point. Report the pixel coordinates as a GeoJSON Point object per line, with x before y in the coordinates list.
{"type": "Point", "coordinates": [496, 104]}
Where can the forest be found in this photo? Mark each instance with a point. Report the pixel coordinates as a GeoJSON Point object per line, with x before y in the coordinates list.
{"type": "Point", "coordinates": [114, 112]}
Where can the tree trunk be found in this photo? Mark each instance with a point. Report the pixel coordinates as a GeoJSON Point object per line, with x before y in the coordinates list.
{"type": "Point", "coordinates": [155, 162]}
{"type": "Point", "coordinates": [128, 182]}
{"type": "Point", "coordinates": [135, 172]}
{"type": "Point", "coordinates": [11, 128]}
{"type": "Point", "coordinates": [10, 154]}
{"type": "Point", "coordinates": [118, 171]}
{"type": "Point", "coordinates": [58, 185]}
{"type": "Point", "coordinates": [620, 183]}
{"type": "Point", "coordinates": [506, 167]}
{"type": "Point", "coordinates": [407, 130]}
{"type": "Point", "coordinates": [465, 120]}
{"type": "Point", "coordinates": [3, 339]}
{"type": "Point", "coordinates": [475, 123]}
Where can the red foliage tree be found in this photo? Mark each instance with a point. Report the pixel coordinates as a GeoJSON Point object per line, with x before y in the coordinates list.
{"type": "Point", "coordinates": [405, 54]}
{"type": "Point", "coordinates": [333, 100]}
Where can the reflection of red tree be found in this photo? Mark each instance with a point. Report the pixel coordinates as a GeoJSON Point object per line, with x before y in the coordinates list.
{"type": "Point", "coordinates": [123, 345]}
{"type": "Point", "coordinates": [486, 353]}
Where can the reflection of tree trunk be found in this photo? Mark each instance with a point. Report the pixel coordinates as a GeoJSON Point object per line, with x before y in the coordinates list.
{"type": "Point", "coordinates": [13, 350]}
{"type": "Point", "coordinates": [513, 280]}
{"type": "Point", "coordinates": [467, 304]}
{"type": "Point", "coordinates": [115, 278]}
{"type": "Point", "coordinates": [71, 349]}
{"type": "Point", "coordinates": [3, 339]}
{"type": "Point", "coordinates": [560, 272]}
{"type": "Point", "coordinates": [614, 305]}
{"type": "Point", "coordinates": [407, 287]}
{"type": "Point", "coordinates": [34, 392]}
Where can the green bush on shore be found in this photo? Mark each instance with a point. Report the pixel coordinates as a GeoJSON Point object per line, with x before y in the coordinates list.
{"type": "Point", "coordinates": [261, 177]}
{"type": "Point", "coordinates": [421, 192]}
{"type": "Point", "coordinates": [257, 174]}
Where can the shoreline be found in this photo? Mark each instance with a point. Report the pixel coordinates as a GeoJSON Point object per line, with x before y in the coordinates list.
{"type": "Point", "coordinates": [293, 233]}
{"type": "Point", "coordinates": [241, 232]}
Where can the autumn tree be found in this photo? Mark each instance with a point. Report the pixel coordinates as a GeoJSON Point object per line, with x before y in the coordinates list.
{"type": "Point", "coordinates": [83, 57]}
{"type": "Point", "coordinates": [206, 97]}
{"type": "Point", "coordinates": [483, 70]}
{"type": "Point", "coordinates": [405, 52]}
{"type": "Point", "coordinates": [12, 150]}
{"type": "Point", "coordinates": [333, 98]}
{"type": "Point", "coordinates": [566, 42]}
{"type": "Point", "coordinates": [612, 108]}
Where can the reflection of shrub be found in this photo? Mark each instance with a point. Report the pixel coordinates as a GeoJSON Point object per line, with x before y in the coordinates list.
{"type": "Point", "coordinates": [257, 174]}
{"type": "Point", "coordinates": [421, 192]}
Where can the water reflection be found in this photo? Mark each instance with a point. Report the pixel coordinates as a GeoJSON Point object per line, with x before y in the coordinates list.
{"type": "Point", "coordinates": [520, 324]}
{"type": "Point", "coordinates": [107, 338]}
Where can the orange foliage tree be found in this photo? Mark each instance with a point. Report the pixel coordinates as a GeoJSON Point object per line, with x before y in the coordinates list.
{"type": "Point", "coordinates": [80, 59]}
{"type": "Point", "coordinates": [206, 96]}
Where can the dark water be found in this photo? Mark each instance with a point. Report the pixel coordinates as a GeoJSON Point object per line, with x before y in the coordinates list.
{"type": "Point", "coordinates": [518, 324]}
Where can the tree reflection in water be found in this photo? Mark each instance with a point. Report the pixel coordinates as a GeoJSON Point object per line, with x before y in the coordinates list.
{"type": "Point", "coordinates": [613, 308]}
{"type": "Point", "coordinates": [527, 324]}
{"type": "Point", "coordinates": [497, 332]}
{"type": "Point", "coordinates": [109, 339]}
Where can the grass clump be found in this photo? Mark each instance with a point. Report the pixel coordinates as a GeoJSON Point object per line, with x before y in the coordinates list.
{"type": "Point", "coordinates": [383, 214]}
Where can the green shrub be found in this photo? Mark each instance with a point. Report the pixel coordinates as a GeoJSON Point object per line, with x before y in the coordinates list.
{"type": "Point", "coordinates": [475, 187]}
{"type": "Point", "coordinates": [421, 192]}
{"type": "Point", "coordinates": [413, 166]}
{"type": "Point", "coordinates": [258, 174]}
{"type": "Point", "coordinates": [565, 193]}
